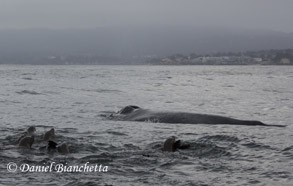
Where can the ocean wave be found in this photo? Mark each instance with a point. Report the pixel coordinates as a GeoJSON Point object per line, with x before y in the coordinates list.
{"type": "Point", "coordinates": [28, 92]}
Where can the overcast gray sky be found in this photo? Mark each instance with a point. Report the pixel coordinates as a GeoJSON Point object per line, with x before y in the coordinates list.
{"type": "Point", "coordinates": [55, 14]}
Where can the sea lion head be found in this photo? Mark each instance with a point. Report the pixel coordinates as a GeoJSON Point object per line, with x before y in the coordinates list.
{"type": "Point", "coordinates": [31, 130]}
{"type": "Point", "coordinates": [49, 135]}
{"type": "Point", "coordinates": [63, 148]}
{"type": "Point", "coordinates": [170, 144]}
{"type": "Point", "coordinates": [27, 141]}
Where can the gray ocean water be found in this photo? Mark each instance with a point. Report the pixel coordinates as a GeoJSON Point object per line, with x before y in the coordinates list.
{"type": "Point", "coordinates": [72, 99]}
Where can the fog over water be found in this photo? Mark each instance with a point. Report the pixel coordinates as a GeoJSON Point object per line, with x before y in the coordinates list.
{"type": "Point", "coordinates": [53, 14]}
{"type": "Point", "coordinates": [130, 31]}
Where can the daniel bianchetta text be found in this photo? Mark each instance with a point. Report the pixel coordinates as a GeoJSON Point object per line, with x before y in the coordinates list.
{"type": "Point", "coordinates": [57, 167]}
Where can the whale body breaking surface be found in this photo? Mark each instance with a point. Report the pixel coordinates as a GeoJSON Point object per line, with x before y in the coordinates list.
{"type": "Point", "coordinates": [135, 113]}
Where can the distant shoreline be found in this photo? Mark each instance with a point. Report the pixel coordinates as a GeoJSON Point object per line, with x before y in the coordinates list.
{"type": "Point", "coordinates": [263, 57]}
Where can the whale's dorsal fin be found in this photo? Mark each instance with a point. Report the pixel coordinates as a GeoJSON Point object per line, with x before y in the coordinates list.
{"type": "Point", "coordinates": [128, 109]}
{"type": "Point", "coordinates": [133, 106]}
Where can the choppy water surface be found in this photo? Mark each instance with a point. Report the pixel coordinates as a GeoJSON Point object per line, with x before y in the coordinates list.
{"type": "Point", "coordinates": [72, 98]}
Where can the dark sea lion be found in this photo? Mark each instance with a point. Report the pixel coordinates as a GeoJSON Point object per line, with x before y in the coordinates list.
{"type": "Point", "coordinates": [63, 148]}
{"type": "Point", "coordinates": [49, 135]}
{"type": "Point", "coordinates": [171, 145]}
{"type": "Point", "coordinates": [26, 142]}
{"type": "Point", "coordinates": [53, 147]}
{"type": "Point", "coordinates": [29, 132]}
{"type": "Point", "coordinates": [135, 113]}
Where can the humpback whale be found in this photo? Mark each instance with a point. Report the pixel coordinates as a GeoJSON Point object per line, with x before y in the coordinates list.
{"type": "Point", "coordinates": [135, 113]}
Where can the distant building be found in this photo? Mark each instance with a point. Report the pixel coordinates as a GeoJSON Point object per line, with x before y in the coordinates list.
{"type": "Point", "coordinates": [285, 61]}
{"type": "Point", "coordinates": [257, 59]}
{"type": "Point", "coordinates": [167, 60]}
